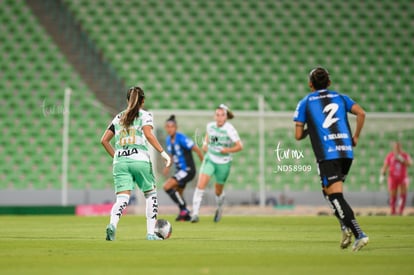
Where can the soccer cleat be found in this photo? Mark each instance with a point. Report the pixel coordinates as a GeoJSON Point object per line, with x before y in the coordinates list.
{"type": "Point", "coordinates": [360, 242]}
{"type": "Point", "coordinates": [186, 218]}
{"type": "Point", "coordinates": [217, 215]}
{"type": "Point", "coordinates": [194, 219]}
{"type": "Point", "coordinates": [110, 232]}
{"type": "Point", "coordinates": [153, 237]}
{"type": "Point", "coordinates": [183, 216]}
{"type": "Point", "coordinates": [346, 238]}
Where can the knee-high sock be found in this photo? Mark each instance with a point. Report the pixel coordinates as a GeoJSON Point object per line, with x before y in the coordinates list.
{"type": "Point", "coordinates": [345, 213]}
{"type": "Point", "coordinates": [118, 207]}
{"type": "Point", "coordinates": [220, 199]}
{"type": "Point", "coordinates": [151, 210]}
{"type": "Point", "coordinates": [341, 223]}
{"type": "Point", "coordinates": [176, 197]}
{"type": "Point", "coordinates": [393, 202]}
{"type": "Point", "coordinates": [403, 200]}
{"type": "Point", "coordinates": [197, 198]}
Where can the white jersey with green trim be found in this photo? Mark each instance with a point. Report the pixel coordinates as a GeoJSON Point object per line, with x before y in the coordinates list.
{"type": "Point", "coordinates": [131, 144]}
{"type": "Point", "coordinates": [219, 138]}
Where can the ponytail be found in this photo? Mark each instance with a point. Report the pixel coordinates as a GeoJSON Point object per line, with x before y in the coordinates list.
{"type": "Point", "coordinates": [135, 97]}
{"type": "Point", "coordinates": [227, 110]}
{"type": "Point", "coordinates": [171, 119]}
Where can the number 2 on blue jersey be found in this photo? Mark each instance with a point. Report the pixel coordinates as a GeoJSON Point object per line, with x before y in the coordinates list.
{"type": "Point", "coordinates": [331, 109]}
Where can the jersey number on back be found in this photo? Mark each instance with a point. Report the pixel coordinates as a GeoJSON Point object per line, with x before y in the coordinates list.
{"type": "Point", "coordinates": [127, 137]}
{"type": "Point", "coordinates": [331, 109]}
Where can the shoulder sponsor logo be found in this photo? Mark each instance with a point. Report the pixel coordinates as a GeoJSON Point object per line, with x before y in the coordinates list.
{"type": "Point", "coordinates": [322, 96]}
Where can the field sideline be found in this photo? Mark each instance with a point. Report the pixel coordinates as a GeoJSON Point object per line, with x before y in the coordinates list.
{"type": "Point", "coordinates": [237, 245]}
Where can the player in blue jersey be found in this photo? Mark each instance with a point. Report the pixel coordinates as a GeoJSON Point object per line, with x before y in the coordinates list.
{"type": "Point", "coordinates": [180, 148]}
{"type": "Point", "coordinates": [324, 112]}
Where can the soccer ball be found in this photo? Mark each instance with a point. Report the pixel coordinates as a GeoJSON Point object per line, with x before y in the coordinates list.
{"type": "Point", "coordinates": [163, 229]}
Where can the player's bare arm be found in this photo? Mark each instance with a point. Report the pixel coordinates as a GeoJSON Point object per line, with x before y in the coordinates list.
{"type": "Point", "coordinates": [147, 129]}
{"type": "Point", "coordinates": [238, 146]}
{"type": "Point", "coordinates": [105, 141]}
{"type": "Point", "coordinates": [409, 162]}
{"type": "Point", "coordinates": [198, 152]}
{"type": "Point", "coordinates": [383, 172]}
{"type": "Point", "coordinates": [205, 144]}
{"type": "Point", "coordinates": [384, 169]}
{"type": "Point", "coordinates": [151, 138]}
{"type": "Point", "coordinates": [300, 131]}
{"type": "Point", "coordinates": [406, 162]}
{"type": "Point", "coordinates": [360, 119]}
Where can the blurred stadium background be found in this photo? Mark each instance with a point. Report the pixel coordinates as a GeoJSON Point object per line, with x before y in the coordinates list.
{"type": "Point", "coordinates": [189, 56]}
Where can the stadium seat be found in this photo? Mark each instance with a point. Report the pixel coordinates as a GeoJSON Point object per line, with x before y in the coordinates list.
{"type": "Point", "coordinates": [36, 77]}
{"type": "Point", "coordinates": [193, 55]}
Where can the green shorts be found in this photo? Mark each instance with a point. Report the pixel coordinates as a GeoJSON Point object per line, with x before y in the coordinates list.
{"type": "Point", "coordinates": [128, 173]}
{"type": "Point", "coordinates": [220, 171]}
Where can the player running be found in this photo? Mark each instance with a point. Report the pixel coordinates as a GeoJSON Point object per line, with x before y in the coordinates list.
{"type": "Point", "coordinates": [132, 128]}
{"type": "Point", "coordinates": [325, 114]}
{"type": "Point", "coordinates": [396, 162]}
{"type": "Point", "coordinates": [220, 142]}
{"type": "Point", "coordinates": [180, 147]}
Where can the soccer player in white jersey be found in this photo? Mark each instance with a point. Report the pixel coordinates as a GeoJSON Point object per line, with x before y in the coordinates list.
{"type": "Point", "coordinates": [220, 142]}
{"type": "Point", "coordinates": [132, 129]}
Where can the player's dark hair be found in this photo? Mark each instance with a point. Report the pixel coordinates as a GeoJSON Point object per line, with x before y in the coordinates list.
{"type": "Point", "coordinates": [319, 77]}
{"type": "Point", "coordinates": [227, 110]}
{"type": "Point", "coordinates": [171, 119]}
{"type": "Point", "coordinates": [135, 97]}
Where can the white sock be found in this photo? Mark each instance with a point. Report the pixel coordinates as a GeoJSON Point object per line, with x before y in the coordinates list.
{"type": "Point", "coordinates": [197, 198]}
{"type": "Point", "coordinates": [118, 207]}
{"type": "Point", "coordinates": [181, 202]}
{"type": "Point", "coordinates": [151, 210]}
{"type": "Point", "coordinates": [220, 199]}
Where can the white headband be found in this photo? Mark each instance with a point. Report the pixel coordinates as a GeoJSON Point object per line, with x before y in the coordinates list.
{"type": "Point", "coordinates": [222, 106]}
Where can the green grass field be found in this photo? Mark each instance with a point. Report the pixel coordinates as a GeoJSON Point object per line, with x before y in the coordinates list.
{"type": "Point", "coordinates": [236, 245]}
